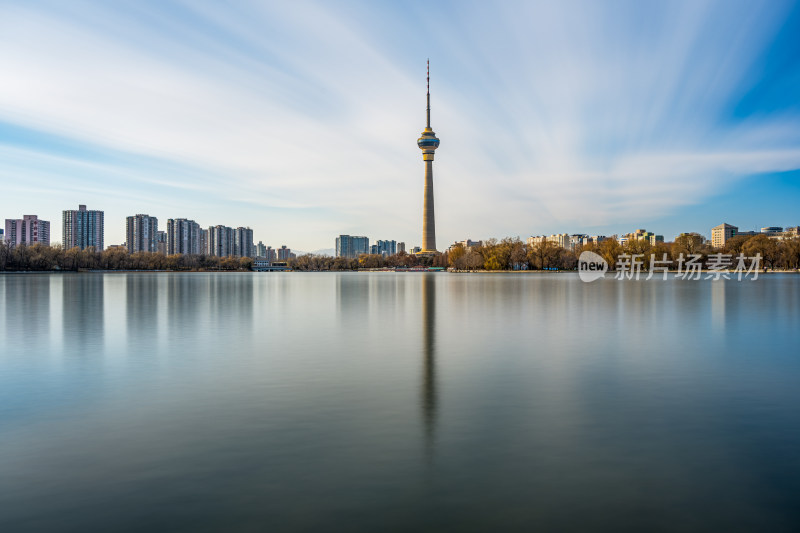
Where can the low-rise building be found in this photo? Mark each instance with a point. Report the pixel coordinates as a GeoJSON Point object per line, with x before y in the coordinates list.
{"type": "Point", "coordinates": [693, 235]}
{"type": "Point", "coordinates": [560, 239]}
{"type": "Point", "coordinates": [466, 244]}
{"type": "Point", "coordinates": [566, 241]}
{"type": "Point", "coordinates": [264, 265]}
{"type": "Point", "coordinates": [792, 233]}
{"type": "Point", "coordinates": [595, 239]}
{"type": "Point", "coordinates": [533, 241]}
{"type": "Point", "coordinates": [644, 235]}
{"type": "Point", "coordinates": [576, 240]}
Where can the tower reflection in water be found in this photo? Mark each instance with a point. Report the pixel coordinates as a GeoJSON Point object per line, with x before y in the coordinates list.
{"type": "Point", "coordinates": [428, 392]}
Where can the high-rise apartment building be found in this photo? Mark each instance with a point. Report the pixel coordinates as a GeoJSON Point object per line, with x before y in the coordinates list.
{"type": "Point", "coordinates": [261, 250]}
{"type": "Point", "coordinates": [203, 246]}
{"type": "Point", "coordinates": [141, 233]}
{"type": "Point", "coordinates": [243, 242]}
{"type": "Point", "coordinates": [352, 247]}
{"type": "Point", "coordinates": [284, 253]}
{"type": "Point", "coordinates": [401, 247]}
{"type": "Point", "coordinates": [384, 248]}
{"type": "Point", "coordinates": [161, 242]}
{"type": "Point", "coordinates": [26, 230]}
{"type": "Point", "coordinates": [270, 254]}
{"type": "Point", "coordinates": [184, 237]}
{"type": "Point", "coordinates": [221, 241]}
{"type": "Point", "coordinates": [82, 228]}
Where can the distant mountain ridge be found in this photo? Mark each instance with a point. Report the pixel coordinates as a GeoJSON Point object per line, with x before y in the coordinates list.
{"type": "Point", "coordinates": [323, 251]}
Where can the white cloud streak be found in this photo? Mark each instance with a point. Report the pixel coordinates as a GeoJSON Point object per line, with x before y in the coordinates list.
{"type": "Point", "coordinates": [299, 119]}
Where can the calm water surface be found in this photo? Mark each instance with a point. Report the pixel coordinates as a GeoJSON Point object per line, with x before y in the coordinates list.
{"type": "Point", "coordinates": [397, 402]}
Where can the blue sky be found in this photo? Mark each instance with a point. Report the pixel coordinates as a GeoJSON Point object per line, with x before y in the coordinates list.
{"type": "Point", "coordinates": [300, 119]}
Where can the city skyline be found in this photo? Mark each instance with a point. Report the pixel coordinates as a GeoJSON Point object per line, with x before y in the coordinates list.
{"type": "Point", "coordinates": [233, 239]}
{"type": "Point", "coordinates": [598, 119]}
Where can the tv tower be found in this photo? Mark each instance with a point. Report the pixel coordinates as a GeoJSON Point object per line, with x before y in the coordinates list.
{"type": "Point", "coordinates": [428, 143]}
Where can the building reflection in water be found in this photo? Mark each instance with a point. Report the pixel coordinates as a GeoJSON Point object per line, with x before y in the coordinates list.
{"type": "Point", "coordinates": [218, 304]}
{"type": "Point", "coordinates": [26, 303]}
{"type": "Point", "coordinates": [428, 391]}
{"type": "Point", "coordinates": [186, 301]}
{"type": "Point", "coordinates": [141, 310]}
{"type": "Point", "coordinates": [352, 296]}
{"type": "Point", "coordinates": [718, 305]}
{"type": "Point", "coordinates": [82, 312]}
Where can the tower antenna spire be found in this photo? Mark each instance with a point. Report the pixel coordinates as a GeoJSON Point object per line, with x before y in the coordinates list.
{"type": "Point", "coordinates": [429, 93]}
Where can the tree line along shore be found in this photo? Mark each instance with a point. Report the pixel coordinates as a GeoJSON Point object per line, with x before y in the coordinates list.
{"type": "Point", "coordinates": [492, 255]}
{"type": "Point", "coordinates": [513, 254]}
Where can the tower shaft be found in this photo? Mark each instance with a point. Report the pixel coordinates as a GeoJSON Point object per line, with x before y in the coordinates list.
{"type": "Point", "coordinates": [428, 219]}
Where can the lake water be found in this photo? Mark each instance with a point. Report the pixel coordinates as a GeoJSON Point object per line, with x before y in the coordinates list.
{"type": "Point", "coordinates": [397, 402]}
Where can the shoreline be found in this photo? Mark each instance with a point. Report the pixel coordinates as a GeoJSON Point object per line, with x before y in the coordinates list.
{"type": "Point", "coordinates": [401, 271]}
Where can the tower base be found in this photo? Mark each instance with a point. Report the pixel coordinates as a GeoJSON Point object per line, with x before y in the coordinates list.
{"type": "Point", "coordinates": [427, 253]}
